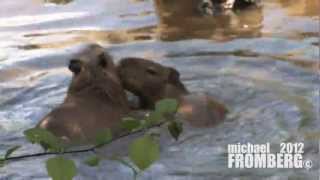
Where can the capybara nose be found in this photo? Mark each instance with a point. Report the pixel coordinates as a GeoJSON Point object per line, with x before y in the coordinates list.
{"type": "Point", "coordinates": [75, 66]}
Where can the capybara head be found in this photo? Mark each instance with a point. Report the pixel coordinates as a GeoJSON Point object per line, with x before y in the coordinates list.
{"type": "Point", "coordinates": [95, 100]}
{"type": "Point", "coordinates": [95, 73]}
{"type": "Point", "coordinates": [150, 81]}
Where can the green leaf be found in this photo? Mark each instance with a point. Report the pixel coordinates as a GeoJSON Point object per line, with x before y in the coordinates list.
{"type": "Point", "coordinates": [59, 168]}
{"type": "Point", "coordinates": [175, 129]}
{"type": "Point", "coordinates": [45, 138]}
{"type": "Point", "coordinates": [167, 106]}
{"type": "Point", "coordinates": [103, 137]}
{"type": "Point", "coordinates": [10, 151]}
{"type": "Point", "coordinates": [144, 151]}
{"type": "Point", "coordinates": [130, 124]}
{"type": "Point", "coordinates": [2, 162]}
{"type": "Point", "coordinates": [93, 161]}
{"type": "Point", "coordinates": [154, 118]}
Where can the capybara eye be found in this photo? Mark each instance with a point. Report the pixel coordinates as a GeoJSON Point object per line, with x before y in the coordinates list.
{"type": "Point", "coordinates": [102, 60]}
{"type": "Point", "coordinates": [75, 66]}
{"type": "Point", "coordinates": [174, 75]}
{"type": "Point", "coordinates": [151, 70]}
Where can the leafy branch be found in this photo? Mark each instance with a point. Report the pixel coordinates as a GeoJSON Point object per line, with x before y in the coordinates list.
{"type": "Point", "coordinates": [143, 151]}
{"type": "Point", "coordinates": [89, 149]}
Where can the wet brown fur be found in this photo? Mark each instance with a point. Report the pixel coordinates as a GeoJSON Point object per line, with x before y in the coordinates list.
{"type": "Point", "coordinates": [95, 99]}
{"type": "Point", "coordinates": [152, 82]}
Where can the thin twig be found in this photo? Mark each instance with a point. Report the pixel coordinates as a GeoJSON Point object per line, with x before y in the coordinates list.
{"type": "Point", "coordinates": [90, 149]}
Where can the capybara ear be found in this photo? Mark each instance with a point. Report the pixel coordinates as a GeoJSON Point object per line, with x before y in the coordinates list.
{"type": "Point", "coordinates": [75, 66]}
{"type": "Point", "coordinates": [103, 62]}
{"type": "Point", "coordinates": [174, 76]}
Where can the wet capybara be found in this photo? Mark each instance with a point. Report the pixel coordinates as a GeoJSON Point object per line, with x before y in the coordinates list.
{"type": "Point", "coordinates": [152, 82]}
{"type": "Point", "coordinates": [95, 99]}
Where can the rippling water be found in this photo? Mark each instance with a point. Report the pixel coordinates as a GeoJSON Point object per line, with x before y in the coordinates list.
{"type": "Point", "coordinates": [263, 63]}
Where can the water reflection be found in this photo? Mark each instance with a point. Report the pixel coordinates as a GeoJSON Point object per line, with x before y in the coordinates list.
{"type": "Point", "coordinates": [75, 37]}
{"type": "Point", "coordinates": [272, 98]}
{"type": "Point", "coordinates": [180, 19]}
{"type": "Point", "coordinates": [301, 7]}
{"type": "Point", "coordinates": [58, 1]}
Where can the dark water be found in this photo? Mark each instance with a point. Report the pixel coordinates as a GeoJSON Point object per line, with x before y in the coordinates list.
{"type": "Point", "coordinates": [263, 63]}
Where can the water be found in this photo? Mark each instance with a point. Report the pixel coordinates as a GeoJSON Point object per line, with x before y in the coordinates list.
{"type": "Point", "coordinates": [262, 63]}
